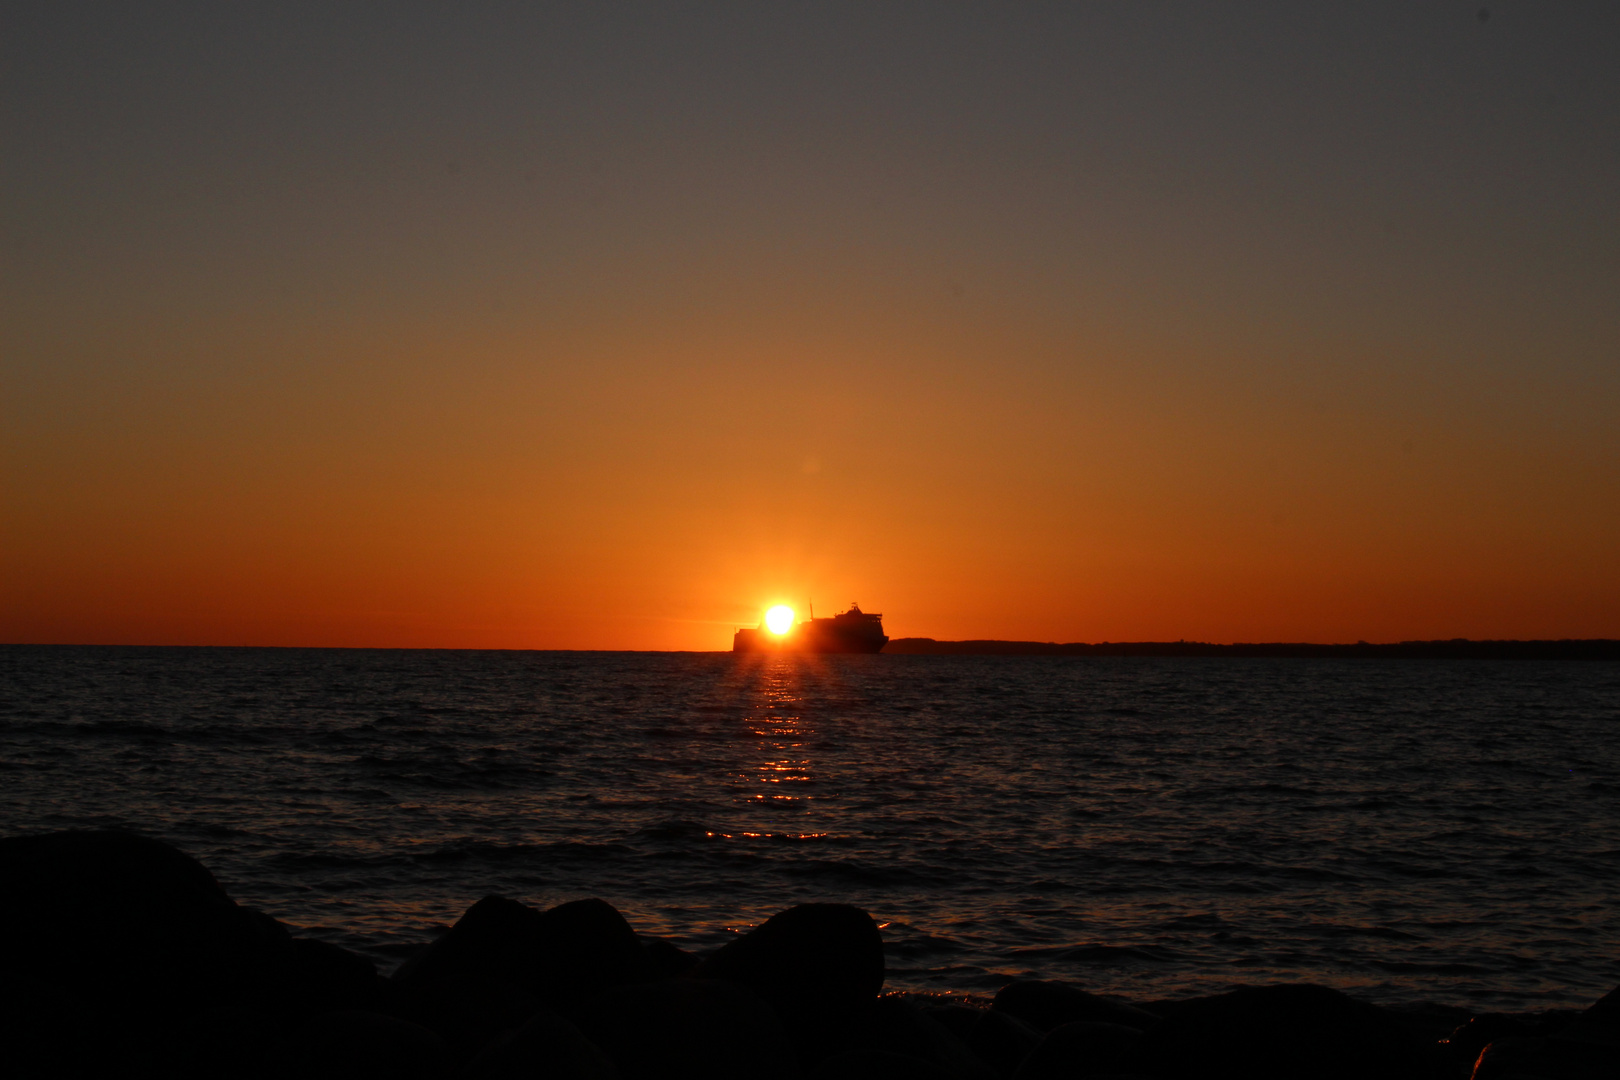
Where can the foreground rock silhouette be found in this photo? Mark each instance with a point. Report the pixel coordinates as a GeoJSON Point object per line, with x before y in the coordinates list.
{"type": "Point", "coordinates": [818, 965]}
{"type": "Point", "coordinates": [124, 957]}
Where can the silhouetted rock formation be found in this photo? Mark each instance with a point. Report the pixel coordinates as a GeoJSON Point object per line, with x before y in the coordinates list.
{"type": "Point", "coordinates": [125, 958]}
{"type": "Point", "coordinates": [1078, 1048]}
{"type": "Point", "coordinates": [702, 1029]}
{"type": "Point", "coordinates": [1280, 1032]}
{"type": "Point", "coordinates": [114, 939]}
{"type": "Point", "coordinates": [548, 1038]}
{"type": "Point", "coordinates": [999, 1039]}
{"type": "Point", "coordinates": [1463, 1046]}
{"type": "Point", "coordinates": [559, 956]}
{"type": "Point", "coordinates": [820, 966]}
{"type": "Point", "coordinates": [1045, 1005]}
{"type": "Point", "coordinates": [893, 1025]}
{"type": "Point", "coordinates": [361, 1045]}
{"type": "Point", "coordinates": [1586, 1048]}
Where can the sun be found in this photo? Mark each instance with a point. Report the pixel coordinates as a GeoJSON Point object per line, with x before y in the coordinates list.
{"type": "Point", "coordinates": [779, 619]}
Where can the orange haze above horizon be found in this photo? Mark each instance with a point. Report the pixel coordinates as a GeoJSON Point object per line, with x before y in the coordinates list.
{"type": "Point", "coordinates": [515, 329]}
{"type": "Point", "coordinates": [365, 498]}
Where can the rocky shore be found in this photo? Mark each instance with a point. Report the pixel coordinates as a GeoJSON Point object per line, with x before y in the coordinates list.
{"type": "Point", "coordinates": [125, 958]}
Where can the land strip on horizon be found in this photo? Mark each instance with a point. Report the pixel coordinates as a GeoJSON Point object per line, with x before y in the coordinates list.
{"type": "Point", "coordinates": [1455, 649]}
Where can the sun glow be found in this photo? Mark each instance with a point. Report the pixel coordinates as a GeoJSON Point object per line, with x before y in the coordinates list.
{"type": "Point", "coordinates": [779, 619]}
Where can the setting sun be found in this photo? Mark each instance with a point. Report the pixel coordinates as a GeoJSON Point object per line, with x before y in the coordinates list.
{"type": "Point", "coordinates": [779, 619]}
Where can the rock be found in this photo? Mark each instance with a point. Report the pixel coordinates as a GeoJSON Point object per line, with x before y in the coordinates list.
{"type": "Point", "coordinates": [1598, 1025]}
{"type": "Point", "coordinates": [588, 948]}
{"type": "Point", "coordinates": [495, 936]}
{"type": "Point", "coordinates": [877, 1065]}
{"type": "Point", "coordinates": [1464, 1045]}
{"type": "Point", "coordinates": [665, 960]}
{"type": "Point", "coordinates": [957, 1019]}
{"type": "Point", "coordinates": [113, 939]}
{"type": "Point", "coordinates": [1532, 1058]}
{"type": "Point", "coordinates": [227, 1042]}
{"type": "Point", "coordinates": [1044, 1005]}
{"type": "Point", "coordinates": [547, 1046]}
{"type": "Point", "coordinates": [317, 976]}
{"type": "Point", "coordinates": [468, 1009]}
{"type": "Point", "coordinates": [895, 1025]}
{"type": "Point", "coordinates": [997, 1039]}
{"type": "Point", "coordinates": [562, 956]}
{"type": "Point", "coordinates": [1001, 1040]}
{"type": "Point", "coordinates": [1587, 1047]}
{"type": "Point", "coordinates": [502, 961]}
{"type": "Point", "coordinates": [1280, 1032]}
{"type": "Point", "coordinates": [366, 1046]}
{"type": "Point", "coordinates": [702, 1029]}
{"type": "Point", "coordinates": [1506, 1058]}
{"type": "Point", "coordinates": [1082, 1048]}
{"type": "Point", "coordinates": [1428, 1021]}
{"type": "Point", "coordinates": [818, 965]}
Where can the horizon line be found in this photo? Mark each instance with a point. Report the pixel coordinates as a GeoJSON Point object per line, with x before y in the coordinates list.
{"type": "Point", "coordinates": [923, 646]}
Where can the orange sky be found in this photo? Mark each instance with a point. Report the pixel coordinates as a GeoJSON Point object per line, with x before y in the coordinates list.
{"type": "Point", "coordinates": [1289, 349]}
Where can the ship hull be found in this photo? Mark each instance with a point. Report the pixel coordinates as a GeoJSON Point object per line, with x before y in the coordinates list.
{"type": "Point", "coordinates": [808, 638]}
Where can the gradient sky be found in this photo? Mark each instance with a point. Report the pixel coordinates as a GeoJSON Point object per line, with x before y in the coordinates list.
{"type": "Point", "coordinates": [605, 325]}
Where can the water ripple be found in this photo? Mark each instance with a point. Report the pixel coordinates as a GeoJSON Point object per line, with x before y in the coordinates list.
{"type": "Point", "coordinates": [1409, 830]}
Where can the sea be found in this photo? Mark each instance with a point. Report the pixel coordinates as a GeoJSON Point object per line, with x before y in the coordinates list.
{"type": "Point", "coordinates": [1408, 831]}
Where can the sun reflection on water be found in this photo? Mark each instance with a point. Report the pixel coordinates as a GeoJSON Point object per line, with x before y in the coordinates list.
{"type": "Point", "coordinates": [777, 724]}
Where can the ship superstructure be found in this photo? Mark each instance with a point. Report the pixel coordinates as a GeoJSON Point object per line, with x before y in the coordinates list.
{"type": "Point", "coordinates": [852, 631]}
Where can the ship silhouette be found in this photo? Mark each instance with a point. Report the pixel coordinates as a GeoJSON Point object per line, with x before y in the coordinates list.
{"type": "Point", "coordinates": [853, 631]}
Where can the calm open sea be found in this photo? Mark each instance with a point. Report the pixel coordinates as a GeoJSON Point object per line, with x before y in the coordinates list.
{"type": "Point", "coordinates": [1409, 830]}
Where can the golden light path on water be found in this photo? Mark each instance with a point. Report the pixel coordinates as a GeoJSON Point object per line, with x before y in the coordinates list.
{"type": "Point", "coordinates": [784, 775]}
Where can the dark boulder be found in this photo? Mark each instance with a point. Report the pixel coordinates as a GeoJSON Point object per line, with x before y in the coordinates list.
{"type": "Point", "coordinates": [895, 1025]}
{"type": "Point", "coordinates": [1000, 1040]}
{"type": "Point", "coordinates": [240, 1043]}
{"type": "Point", "coordinates": [1281, 1032]}
{"type": "Point", "coordinates": [702, 1029]}
{"type": "Point", "coordinates": [547, 1046]}
{"type": "Point", "coordinates": [1531, 1058]}
{"type": "Point", "coordinates": [1044, 1005]}
{"type": "Point", "coordinates": [1598, 1025]}
{"type": "Point", "coordinates": [958, 1019]}
{"type": "Point", "coordinates": [1429, 1021]}
{"type": "Point", "coordinates": [562, 956]}
{"type": "Point", "coordinates": [1586, 1047]}
{"type": "Point", "coordinates": [588, 948]}
{"type": "Point", "coordinates": [1465, 1043]}
{"type": "Point", "coordinates": [666, 960]}
{"type": "Point", "coordinates": [468, 1009]}
{"type": "Point", "coordinates": [818, 965]}
{"type": "Point", "coordinates": [1508, 1058]}
{"type": "Point", "coordinates": [317, 976]}
{"type": "Point", "coordinates": [1082, 1048]}
{"type": "Point", "coordinates": [366, 1046]}
{"type": "Point", "coordinates": [495, 936]}
{"type": "Point", "coordinates": [877, 1065]}
{"type": "Point", "coordinates": [115, 938]}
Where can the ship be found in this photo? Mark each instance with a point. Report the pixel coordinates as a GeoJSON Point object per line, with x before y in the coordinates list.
{"type": "Point", "coordinates": [853, 631]}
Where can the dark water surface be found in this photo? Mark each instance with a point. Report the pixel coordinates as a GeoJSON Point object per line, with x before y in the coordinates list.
{"type": "Point", "coordinates": [1406, 830]}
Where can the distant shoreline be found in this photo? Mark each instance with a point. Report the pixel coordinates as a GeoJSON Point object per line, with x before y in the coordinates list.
{"type": "Point", "coordinates": [1456, 649]}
